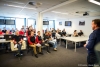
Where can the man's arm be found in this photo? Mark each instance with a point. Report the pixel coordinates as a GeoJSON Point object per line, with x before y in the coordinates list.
{"type": "Point", "coordinates": [91, 41]}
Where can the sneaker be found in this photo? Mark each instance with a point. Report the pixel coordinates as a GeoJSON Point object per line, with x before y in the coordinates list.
{"type": "Point", "coordinates": [36, 55]}
{"type": "Point", "coordinates": [55, 49]}
{"type": "Point", "coordinates": [21, 54]}
{"type": "Point", "coordinates": [41, 53]}
{"type": "Point", "coordinates": [48, 52]}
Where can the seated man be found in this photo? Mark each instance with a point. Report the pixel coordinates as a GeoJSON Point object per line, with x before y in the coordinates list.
{"type": "Point", "coordinates": [17, 39]}
{"type": "Point", "coordinates": [81, 33]}
{"type": "Point", "coordinates": [53, 41]}
{"type": "Point", "coordinates": [64, 33]}
{"type": "Point", "coordinates": [40, 41]}
{"type": "Point", "coordinates": [32, 43]}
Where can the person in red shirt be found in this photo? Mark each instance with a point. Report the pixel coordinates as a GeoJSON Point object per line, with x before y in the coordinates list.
{"type": "Point", "coordinates": [40, 41]}
{"type": "Point", "coordinates": [21, 32]}
{"type": "Point", "coordinates": [1, 33]}
{"type": "Point", "coordinates": [32, 43]}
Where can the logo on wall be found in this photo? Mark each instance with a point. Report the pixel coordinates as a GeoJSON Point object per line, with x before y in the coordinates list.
{"type": "Point", "coordinates": [60, 23]}
{"type": "Point", "coordinates": [81, 23]}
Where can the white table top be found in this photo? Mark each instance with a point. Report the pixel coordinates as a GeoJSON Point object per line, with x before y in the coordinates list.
{"type": "Point", "coordinates": [4, 40]}
{"type": "Point", "coordinates": [75, 39]}
{"type": "Point", "coordinates": [1, 36]}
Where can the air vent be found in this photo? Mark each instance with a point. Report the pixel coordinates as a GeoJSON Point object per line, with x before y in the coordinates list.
{"type": "Point", "coordinates": [32, 3]}
{"type": "Point", "coordinates": [35, 4]}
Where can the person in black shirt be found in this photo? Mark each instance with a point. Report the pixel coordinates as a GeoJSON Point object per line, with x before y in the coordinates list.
{"type": "Point", "coordinates": [17, 39]}
{"type": "Point", "coordinates": [4, 30]}
{"type": "Point", "coordinates": [64, 33]}
{"type": "Point", "coordinates": [59, 32]}
{"type": "Point", "coordinates": [32, 43]}
{"type": "Point", "coordinates": [40, 41]}
{"type": "Point", "coordinates": [80, 33]}
{"type": "Point", "coordinates": [12, 31]}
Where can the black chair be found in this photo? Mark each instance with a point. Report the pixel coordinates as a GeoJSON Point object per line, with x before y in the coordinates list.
{"type": "Point", "coordinates": [29, 48]}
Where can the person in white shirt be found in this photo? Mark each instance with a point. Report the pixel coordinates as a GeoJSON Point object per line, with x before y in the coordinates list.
{"type": "Point", "coordinates": [57, 36]}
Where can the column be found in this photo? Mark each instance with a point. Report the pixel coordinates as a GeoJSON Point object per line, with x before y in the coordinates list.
{"type": "Point", "coordinates": [39, 23]}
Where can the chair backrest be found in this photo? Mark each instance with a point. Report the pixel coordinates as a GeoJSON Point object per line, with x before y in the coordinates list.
{"type": "Point", "coordinates": [15, 49]}
{"type": "Point", "coordinates": [97, 51]}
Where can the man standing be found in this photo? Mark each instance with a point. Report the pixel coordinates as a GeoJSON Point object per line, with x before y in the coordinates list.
{"type": "Point", "coordinates": [94, 39]}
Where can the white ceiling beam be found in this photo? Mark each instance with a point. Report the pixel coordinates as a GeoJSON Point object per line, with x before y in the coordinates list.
{"type": "Point", "coordinates": [59, 5]}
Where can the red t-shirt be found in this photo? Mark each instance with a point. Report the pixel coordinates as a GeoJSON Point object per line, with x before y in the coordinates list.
{"type": "Point", "coordinates": [21, 32]}
{"type": "Point", "coordinates": [1, 32]}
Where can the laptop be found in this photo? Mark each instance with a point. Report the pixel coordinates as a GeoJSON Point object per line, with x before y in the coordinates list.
{"type": "Point", "coordinates": [8, 37]}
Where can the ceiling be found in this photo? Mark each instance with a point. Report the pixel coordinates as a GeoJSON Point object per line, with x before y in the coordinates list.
{"type": "Point", "coordinates": [21, 8]}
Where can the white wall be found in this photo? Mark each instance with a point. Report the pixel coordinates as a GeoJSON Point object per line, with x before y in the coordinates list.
{"type": "Point", "coordinates": [75, 25]}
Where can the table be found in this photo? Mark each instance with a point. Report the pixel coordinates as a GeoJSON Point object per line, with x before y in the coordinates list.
{"type": "Point", "coordinates": [1, 36]}
{"type": "Point", "coordinates": [74, 39]}
{"type": "Point", "coordinates": [4, 41]}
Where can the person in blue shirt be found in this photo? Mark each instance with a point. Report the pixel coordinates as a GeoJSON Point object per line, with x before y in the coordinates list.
{"type": "Point", "coordinates": [93, 40]}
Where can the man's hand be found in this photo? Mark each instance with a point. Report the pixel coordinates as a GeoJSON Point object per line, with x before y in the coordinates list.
{"type": "Point", "coordinates": [85, 45]}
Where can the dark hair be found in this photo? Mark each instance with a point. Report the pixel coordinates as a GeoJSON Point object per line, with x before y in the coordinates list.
{"type": "Point", "coordinates": [38, 31]}
{"type": "Point", "coordinates": [97, 22]}
{"type": "Point", "coordinates": [75, 30]}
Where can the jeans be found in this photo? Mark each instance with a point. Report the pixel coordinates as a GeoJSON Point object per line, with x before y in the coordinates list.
{"type": "Point", "coordinates": [54, 44]}
{"type": "Point", "coordinates": [19, 47]}
{"type": "Point", "coordinates": [91, 60]}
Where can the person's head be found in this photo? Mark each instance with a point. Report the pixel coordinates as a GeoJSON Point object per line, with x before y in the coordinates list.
{"type": "Point", "coordinates": [80, 30]}
{"type": "Point", "coordinates": [8, 32]}
{"type": "Point", "coordinates": [75, 31]}
{"type": "Point", "coordinates": [38, 32]}
{"type": "Point", "coordinates": [95, 24]}
{"type": "Point", "coordinates": [17, 33]}
{"type": "Point", "coordinates": [46, 33]}
{"type": "Point", "coordinates": [21, 29]}
{"type": "Point", "coordinates": [32, 33]}
{"type": "Point", "coordinates": [12, 28]}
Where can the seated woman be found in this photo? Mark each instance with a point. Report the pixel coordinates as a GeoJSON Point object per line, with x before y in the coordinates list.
{"type": "Point", "coordinates": [17, 39]}
{"type": "Point", "coordinates": [53, 41]}
{"type": "Point", "coordinates": [75, 33]}
{"type": "Point", "coordinates": [40, 41]}
{"type": "Point", "coordinates": [32, 43]}
{"type": "Point", "coordinates": [81, 33]}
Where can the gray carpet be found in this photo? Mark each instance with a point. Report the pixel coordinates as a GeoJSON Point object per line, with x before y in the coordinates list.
{"type": "Point", "coordinates": [61, 58]}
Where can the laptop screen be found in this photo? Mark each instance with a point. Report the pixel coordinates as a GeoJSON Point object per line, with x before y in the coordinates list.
{"type": "Point", "coordinates": [8, 37]}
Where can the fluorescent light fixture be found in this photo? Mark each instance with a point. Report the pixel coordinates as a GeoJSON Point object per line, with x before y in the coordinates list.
{"type": "Point", "coordinates": [95, 2]}
{"type": "Point", "coordinates": [59, 12]}
{"type": "Point", "coordinates": [19, 6]}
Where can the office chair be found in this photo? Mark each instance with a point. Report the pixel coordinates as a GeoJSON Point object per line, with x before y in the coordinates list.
{"type": "Point", "coordinates": [16, 49]}
{"type": "Point", "coordinates": [29, 49]}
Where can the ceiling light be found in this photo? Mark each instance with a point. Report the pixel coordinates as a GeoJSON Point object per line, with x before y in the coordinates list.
{"type": "Point", "coordinates": [18, 6]}
{"type": "Point", "coordinates": [95, 2]}
{"type": "Point", "coordinates": [59, 12]}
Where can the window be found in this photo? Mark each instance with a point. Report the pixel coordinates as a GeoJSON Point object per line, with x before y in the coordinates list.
{"type": "Point", "coordinates": [51, 24]}
{"type": "Point", "coordinates": [2, 26]}
{"type": "Point", "coordinates": [19, 23]}
{"type": "Point", "coordinates": [31, 22]}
